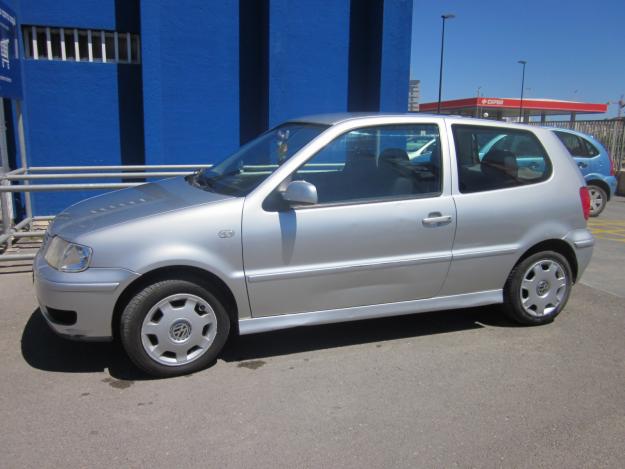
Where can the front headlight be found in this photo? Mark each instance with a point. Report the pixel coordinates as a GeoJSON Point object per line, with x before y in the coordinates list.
{"type": "Point", "coordinates": [67, 257]}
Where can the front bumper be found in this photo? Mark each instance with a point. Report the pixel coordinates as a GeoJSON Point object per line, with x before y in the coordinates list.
{"type": "Point", "coordinates": [91, 294]}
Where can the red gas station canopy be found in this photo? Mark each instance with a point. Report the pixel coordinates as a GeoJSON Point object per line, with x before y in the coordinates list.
{"type": "Point", "coordinates": [511, 106]}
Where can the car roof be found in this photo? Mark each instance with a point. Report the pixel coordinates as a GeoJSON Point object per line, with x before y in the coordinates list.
{"type": "Point", "coordinates": [337, 118]}
{"type": "Point", "coordinates": [570, 131]}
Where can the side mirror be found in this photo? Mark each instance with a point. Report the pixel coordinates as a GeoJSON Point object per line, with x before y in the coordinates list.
{"type": "Point", "coordinates": [300, 192]}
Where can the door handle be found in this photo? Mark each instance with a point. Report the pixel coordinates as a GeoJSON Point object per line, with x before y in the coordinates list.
{"type": "Point", "coordinates": [436, 219]}
{"type": "Point", "coordinates": [582, 165]}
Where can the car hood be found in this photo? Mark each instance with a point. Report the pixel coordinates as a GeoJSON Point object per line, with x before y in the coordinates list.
{"type": "Point", "coordinates": [130, 204]}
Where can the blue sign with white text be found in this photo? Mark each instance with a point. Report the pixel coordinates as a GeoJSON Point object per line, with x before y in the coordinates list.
{"type": "Point", "coordinates": [10, 76]}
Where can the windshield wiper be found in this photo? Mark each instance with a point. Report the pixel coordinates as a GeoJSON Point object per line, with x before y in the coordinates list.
{"type": "Point", "coordinates": [202, 179]}
{"type": "Point", "coordinates": [217, 177]}
{"type": "Point", "coordinates": [196, 179]}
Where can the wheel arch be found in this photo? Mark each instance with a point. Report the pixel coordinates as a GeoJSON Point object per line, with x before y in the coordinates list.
{"type": "Point", "coordinates": [593, 181]}
{"type": "Point", "coordinates": [557, 245]}
{"type": "Point", "coordinates": [205, 278]}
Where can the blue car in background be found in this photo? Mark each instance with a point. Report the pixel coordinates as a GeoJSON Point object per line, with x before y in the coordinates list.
{"type": "Point", "coordinates": [594, 163]}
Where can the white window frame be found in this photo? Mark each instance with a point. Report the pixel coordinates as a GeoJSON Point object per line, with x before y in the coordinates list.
{"type": "Point", "coordinates": [31, 44]}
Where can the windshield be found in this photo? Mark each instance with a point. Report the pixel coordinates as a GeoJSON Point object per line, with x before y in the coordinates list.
{"type": "Point", "coordinates": [241, 172]}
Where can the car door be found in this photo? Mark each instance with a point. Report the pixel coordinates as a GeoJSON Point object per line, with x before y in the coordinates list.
{"type": "Point", "coordinates": [500, 200]}
{"type": "Point", "coordinates": [381, 232]}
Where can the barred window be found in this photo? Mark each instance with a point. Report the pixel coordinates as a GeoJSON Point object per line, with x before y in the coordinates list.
{"type": "Point", "coordinates": [80, 45]}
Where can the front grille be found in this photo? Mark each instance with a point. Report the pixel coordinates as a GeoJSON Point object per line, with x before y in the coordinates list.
{"type": "Point", "coordinates": [62, 317]}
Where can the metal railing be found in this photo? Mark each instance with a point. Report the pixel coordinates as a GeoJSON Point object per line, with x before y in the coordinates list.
{"type": "Point", "coordinates": [24, 180]}
{"type": "Point", "coordinates": [611, 134]}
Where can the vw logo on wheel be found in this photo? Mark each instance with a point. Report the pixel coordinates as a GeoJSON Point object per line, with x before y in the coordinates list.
{"type": "Point", "coordinates": [542, 288]}
{"type": "Point", "coordinates": [180, 330]}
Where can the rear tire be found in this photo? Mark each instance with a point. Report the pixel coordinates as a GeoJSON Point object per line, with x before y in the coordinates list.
{"type": "Point", "coordinates": [174, 327]}
{"type": "Point", "coordinates": [598, 200]}
{"type": "Point", "coordinates": [538, 288]}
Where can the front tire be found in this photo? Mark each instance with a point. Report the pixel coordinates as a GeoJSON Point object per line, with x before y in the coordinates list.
{"type": "Point", "coordinates": [598, 200]}
{"type": "Point", "coordinates": [538, 288]}
{"type": "Point", "coordinates": [174, 327]}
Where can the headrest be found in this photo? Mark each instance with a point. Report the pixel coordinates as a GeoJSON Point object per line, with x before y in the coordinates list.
{"type": "Point", "coordinates": [501, 160]}
{"type": "Point", "coordinates": [500, 157]}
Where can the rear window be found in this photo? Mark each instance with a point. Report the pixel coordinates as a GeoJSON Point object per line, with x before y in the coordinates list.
{"type": "Point", "coordinates": [577, 146]}
{"type": "Point", "coordinates": [491, 158]}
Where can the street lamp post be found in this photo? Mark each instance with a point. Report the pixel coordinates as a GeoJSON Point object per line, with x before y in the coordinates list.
{"type": "Point", "coordinates": [522, 62]}
{"type": "Point", "coordinates": [444, 17]}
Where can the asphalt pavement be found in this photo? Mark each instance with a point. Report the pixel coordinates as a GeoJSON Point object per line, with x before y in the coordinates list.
{"type": "Point", "coordinates": [447, 389]}
{"type": "Point", "coordinates": [607, 270]}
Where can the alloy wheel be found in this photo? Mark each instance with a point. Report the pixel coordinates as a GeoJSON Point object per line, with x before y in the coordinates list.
{"type": "Point", "coordinates": [596, 200]}
{"type": "Point", "coordinates": [543, 288]}
{"type": "Point", "coordinates": [178, 329]}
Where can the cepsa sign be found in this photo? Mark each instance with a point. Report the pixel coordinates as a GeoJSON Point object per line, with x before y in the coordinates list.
{"type": "Point", "coordinates": [491, 102]}
{"type": "Point", "coordinates": [10, 76]}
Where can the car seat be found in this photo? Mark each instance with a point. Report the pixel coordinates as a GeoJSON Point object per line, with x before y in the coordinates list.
{"type": "Point", "coordinates": [394, 173]}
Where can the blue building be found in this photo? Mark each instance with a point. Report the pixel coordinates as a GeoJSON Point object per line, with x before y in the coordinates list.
{"type": "Point", "coordinates": [188, 81]}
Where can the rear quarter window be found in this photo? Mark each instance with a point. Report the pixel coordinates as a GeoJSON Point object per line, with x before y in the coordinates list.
{"type": "Point", "coordinates": [491, 158]}
{"type": "Point", "coordinates": [577, 146]}
{"type": "Point", "coordinates": [591, 150]}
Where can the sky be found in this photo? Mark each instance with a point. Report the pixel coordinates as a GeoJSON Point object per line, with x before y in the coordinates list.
{"type": "Point", "coordinates": [575, 50]}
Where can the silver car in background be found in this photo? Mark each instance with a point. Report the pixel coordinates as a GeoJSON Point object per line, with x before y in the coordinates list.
{"type": "Point", "coordinates": [322, 219]}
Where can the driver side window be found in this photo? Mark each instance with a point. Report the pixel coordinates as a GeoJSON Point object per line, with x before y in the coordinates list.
{"type": "Point", "coordinates": [394, 161]}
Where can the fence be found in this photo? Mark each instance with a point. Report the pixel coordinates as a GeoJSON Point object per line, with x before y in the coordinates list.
{"type": "Point", "coordinates": [611, 133]}
{"type": "Point", "coordinates": [21, 180]}
{"type": "Point", "coordinates": [24, 177]}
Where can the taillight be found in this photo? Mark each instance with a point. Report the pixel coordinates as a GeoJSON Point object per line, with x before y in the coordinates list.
{"type": "Point", "coordinates": [611, 167]}
{"type": "Point", "coordinates": [584, 196]}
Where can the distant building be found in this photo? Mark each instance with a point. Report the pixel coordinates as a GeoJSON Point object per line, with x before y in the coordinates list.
{"type": "Point", "coordinates": [414, 92]}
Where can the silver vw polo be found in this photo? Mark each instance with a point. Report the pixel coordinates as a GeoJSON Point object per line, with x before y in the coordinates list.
{"type": "Point", "coordinates": [322, 219]}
